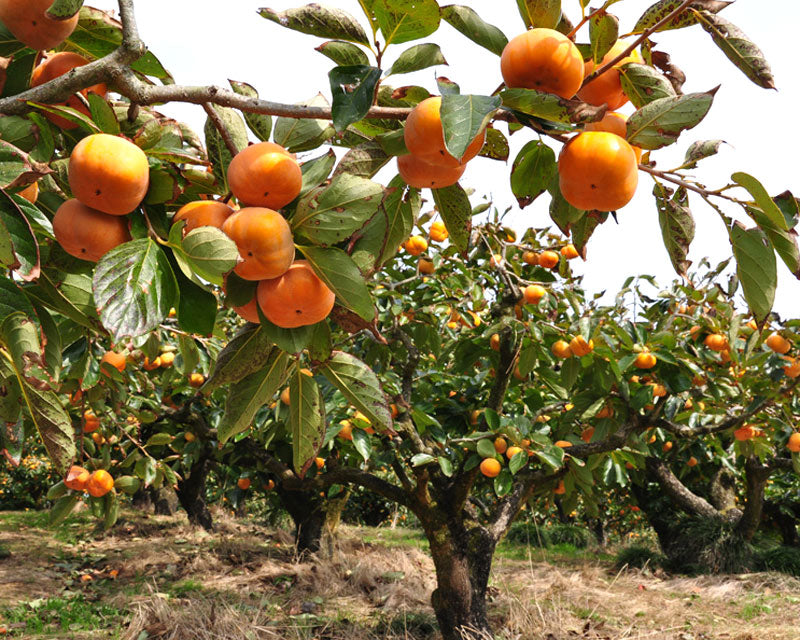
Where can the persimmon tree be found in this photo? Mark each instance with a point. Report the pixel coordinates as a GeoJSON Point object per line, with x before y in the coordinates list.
{"type": "Point", "coordinates": [505, 375]}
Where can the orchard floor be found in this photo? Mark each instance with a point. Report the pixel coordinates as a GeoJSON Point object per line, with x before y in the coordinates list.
{"type": "Point", "coordinates": [157, 578]}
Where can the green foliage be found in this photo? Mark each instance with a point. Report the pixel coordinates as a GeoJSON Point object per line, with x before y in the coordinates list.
{"type": "Point", "coordinates": [578, 537]}
{"type": "Point", "coordinates": [529, 534]}
{"type": "Point", "coordinates": [637, 557]}
{"type": "Point", "coordinates": [25, 486]}
{"type": "Point", "coordinates": [783, 559]}
{"type": "Point", "coordinates": [704, 545]}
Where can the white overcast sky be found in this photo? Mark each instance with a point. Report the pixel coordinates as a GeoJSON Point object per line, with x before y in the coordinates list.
{"type": "Point", "coordinates": [208, 42]}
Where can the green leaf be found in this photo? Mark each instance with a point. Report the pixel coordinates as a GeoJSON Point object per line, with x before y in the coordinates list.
{"type": "Point", "coordinates": [23, 359]}
{"type": "Point", "coordinates": [359, 384]}
{"type": "Point", "coordinates": [17, 168]}
{"type": "Point", "coordinates": [103, 114]}
{"type": "Point", "coordinates": [98, 34]}
{"type": "Point", "coordinates": [561, 211]}
{"type": "Point", "coordinates": [343, 53]}
{"type": "Point", "coordinates": [550, 107]}
{"type": "Point", "coordinates": [361, 443]}
{"type": "Point", "coordinates": [238, 291]}
{"type": "Point", "coordinates": [660, 122]}
{"type": "Point", "coordinates": [306, 420]}
{"type": "Point", "coordinates": [331, 214]}
{"type": "Point", "coordinates": [540, 13]}
{"type": "Point", "coordinates": [421, 459]}
{"type": "Point", "coordinates": [210, 252]}
{"type": "Point", "coordinates": [760, 195]}
{"type": "Point", "coordinates": [532, 171]}
{"type": "Point", "coordinates": [64, 9]}
{"type": "Point", "coordinates": [552, 456]}
{"type": "Point", "coordinates": [677, 225]}
{"type": "Point", "coordinates": [420, 56]}
{"type": "Point", "coordinates": [197, 307]}
{"type": "Point", "coordinates": [338, 271]}
{"type": "Point", "coordinates": [19, 249]}
{"type": "Point", "coordinates": [247, 352]}
{"type": "Point", "coordinates": [518, 461]}
{"type": "Point", "coordinates": [502, 483]}
{"type": "Point", "coordinates": [218, 152]}
{"type": "Point", "coordinates": [352, 88]}
{"type": "Point", "coordinates": [250, 393]}
{"type": "Point", "coordinates": [158, 440]}
{"type": "Point", "coordinates": [661, 9]}
{"type": "Point", "coordinates": [456, 211]}
{"type": "Point", "coordinates": [63, 507]}
{"type": "Point", "coordinates": [485, 448]}
{"type": "Point", "coordinates": [303, 134]}
{"type": "Point", "coordinates": [259, 123]}
{"type": "Point", "coordinates": [19, 132]}
{"type": "Point", "coordinates": [52, 341]}
{"type": "Point", "coordinates": [756, 268]}
{"type": "Point", "coordinates": [134, 288]}
{"type": "Point", "coordinates": [318, 20]}
{"type": "Point", "coordinates": [405, 20]}
{"type": "Point", "coordinates": [316, 171]}
{"type": "Point", "coordinates": [643, 84]}
{"type": "Point", "coordinates": [364, 160]}
{"type": "Point", "coordinates": [496, 145]}
{"type": "Point", "coordinates": [70, 294]}
{"type": "Point", "coordinates": [13, 299]}
{"type": "Point", "coordinates": [739, 49]}
{"type": "Point", "coordinates": [127, 484]}
{"type": "Point", "coordinates": [699, 150]}
{"type": "Point", "coordinates": [468, 22]}
{"type": "Point", "coordinates": [289, 340]}
{"type": "Point", "coordinates": [463, 117]}
{"type": "Point", "coordinates": [603, 34]}
{"type": "Point", "coordinates": [784, 242]}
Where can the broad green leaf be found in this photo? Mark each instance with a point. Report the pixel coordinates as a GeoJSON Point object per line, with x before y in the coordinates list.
{"type": "Point", "coordinates": [584, 227]}
{"type": "Point", "coordinates": [218, 152]}
{"type": "Point", "coordinates": [63, 9]}
{"type": "Point", "coordinates": [361, 443]}
{"type": "Point", "coordinates": [329, 215]}
{"type": "Point", "coordinates": [421, 459]}
{"type": "Point", "coordinates": [756, 268]}
{"type": "Point", "coordinates": [248, 394]}
{"type": "Point", "coordinates": [532, 171]}
{"type": "Point", "coordinates": [405, 20]}
{"type": "Point", "coordinates": [70, 294]}
{"type": "Point", "coordinates": [352, 88]}
{"type": "Point", "coordinates": [52, 341]}
{"type": "Point", "coordinates": [463, 118]}
{"type": "Point", "coordinates": [19, 132]}
{"type": "Point", "coordinates": [316, 171]}
{"type": "Point", "coordinates": [63, 507]}
{"type": "Point", "coordinates": [134, 288]}
{"type": "Point", "coordinates": [517, 462]}
{"type": "Point", "coordinates": [603, 34]}
{"type": "Point", "coordinates": [485, 448]}
{"type": "Point", "coordinates": [103, 114]}
{"type": "Point", "coordinates": [197, 307]}
{"type": "Point", "coordinates": [247, 352]}
{"type": "Point", "coordinates": [417, 57]}
{"type": "Point", "coordinates": [550, 107]}
{"type": "Point", "coordinates": [17, 168]}
{"type": "Point", "coordinates": [502, 483]}
{"type": "Point", "coordinates": [561, 211]}
{"type": "Point", "coordinates": [496, 145]}
{"type": "Point", "coordinates": [454, 207]}
{"type": "Point", "coordinates": [259, 123]}
{"type": "Point", "coordinates": [784, 242]}
{"type": "Point", "coordinates": [739, 49]}
{"type": "Point", "coordinates": [289, 340]}
{"type": "Point", "coordinates": [303, 134]}
{"type": "Point", "coordinates": [677, 225]}
{"type": "Point", "coordinates": [660, 122]}
{"type": "Point", "coordinates": [643, 84]}
{"type": "Point", "coordinates": [338, 271]}
{"type": "Point", "coordinates": [343, 53]}
{"type": "Point", "coordinates": [661, 9]}
{"type": "Point", "coordinates": [393, 143]}
{"type": "Point", "coordinates": [552, 456]}
{"type": "Point", "coordinates": [760, 195]}
{"type": "Point", "coordinates": [540, 13]}
{"type": "Point", "coordinates": [318, 20]}
{"type": "Point", "coordinates": [359, 384]}
{"type": "Point", "coordinates": [23, 359]}
{"type": "Point", "coordinates": [127, 484]}
{"type": "Point", "coordinates": [306, 420]}
{"type": "Point", "coordinates": [19, 249]}
{"type": "Point", "coordinates": [468, 22]}
{"type": "Point", "coordinates": [699, 150]}
{"type": "Point", "coordinates": [364, 160]}
{"type": "Point", "coordinates": [210, 251]}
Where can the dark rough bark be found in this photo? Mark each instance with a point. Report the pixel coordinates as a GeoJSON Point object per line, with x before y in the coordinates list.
{"type": "Point", "coordinates": [756, 476]}
{"type": "Point", "coordinates": [192, 494]}
{"type": "Point", "coordinates": [165, 501]}
{"type": "Point", "coordinates": [775, 514]}
{"type": "Point", "coordinates": [462, 555]}
{"type": "Point", "coordinates": [677, 492]}
{"type": "Point", "coordinates": [597, 527]}
{"type": "Point", "coordinates": [722, 492]}
{"type": "Point", "coordinates": [142, 500]}
{"type": "Point", "coordinates": [313, 516]}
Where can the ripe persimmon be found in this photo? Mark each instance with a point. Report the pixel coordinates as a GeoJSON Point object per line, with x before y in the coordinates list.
{"type": "Point", "coordinates": [265, 175]}
{"type": "Point", "coordinates": [203, 213]}
{"type": "Point", "coordinates": [597, 170]}
{"type": "Point", "coordinates": [416, 245]}
{"type": "Point", "coordinates": [243, 483]}
{"type": "Point", "coordinates": [500, 445]}
{"type": "Point", "coordinates": [196, 380]}
{"type": "Point", "coordinates": [425, 266]}
{"type": "Point", "coordinates": [86, 233]}
{"type": "Point", "coordinates": [28, 21]}
{"type": "Point", "coordinates": [607, 87]}
{"type": "Point", "coordinates": [296, 299]}
{"type": "Point", "coordinates": [548, 259]}
{"type": "Point", "coordinates": [76, 478]}
{"type": "Point", "coordinates": [99, 483]}
{"type": "Point", "coordinates": [490, 467]}
{"type": "Point", "coordinates": [424, 136]}
{"type": "Point", "coordinates": [560, 489]}
{"type": "Point", "coordinates": [56, 65]}
{"type": "Point", "coordinates": [108, 173]}
{"type": "Point", "coordinates": [438, 232]}
{"type": "Point", "coordinates": [645, 360]}
{"type": "Point", "coordinates": [90, 421]}
{"type": "Point", "coordinates": [569, 252]}
{"type": "Point", "coordinates": [512, 451]}
{"type": "Point", "coordinates": [794, 443]}
{"type": "Point", "coordinates": [530, 257]}
{"type": "Point", "coordinates": [561, 349]}
{"type": "Point", "coordinates": [716, 342]}
{"type": "Point", "coordinates": [264, 240]}
{"type": "Point", "coordinates": [494, 342]}
{"type": "Point", "coordinates": [778, 343]}
{"type": "Point", "coordinates": [544, 60]}
{"type": "Point", "coordinates": [249, 311]}
{"type": "Point", "coordinates": [533, 293]}
{"type": "Point", "coordinates": [114, 359]}
{"type": "Point", "coordinates": [418, 173]}
{"type": "Point", "coordinates": [580, 347]}
{"type": "Point", "coordinates": [617, 123]}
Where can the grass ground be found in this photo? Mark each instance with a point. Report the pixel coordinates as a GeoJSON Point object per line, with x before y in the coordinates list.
{"type": "Point", "coordinates": [157, 578]}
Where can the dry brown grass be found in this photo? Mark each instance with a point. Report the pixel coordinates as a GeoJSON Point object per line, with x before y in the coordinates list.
{"type": "Point", "coordinates": [244, 582]}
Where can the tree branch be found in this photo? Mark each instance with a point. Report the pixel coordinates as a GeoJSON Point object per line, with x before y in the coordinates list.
{"type": "Point", "coordinates": [219, 125]}
{"type": "Point", "coordinates": [677, 491]}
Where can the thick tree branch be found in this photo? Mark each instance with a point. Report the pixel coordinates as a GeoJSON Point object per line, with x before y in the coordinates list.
{"type": "Point", "coordinates": [678, 492]}
{"type": "Point", "coordinates": [756, 476]}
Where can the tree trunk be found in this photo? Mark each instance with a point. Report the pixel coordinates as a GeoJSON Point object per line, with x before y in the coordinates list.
{"type": "Point", "coordinates": [141, 500]}
{"type": "Point", "coordinates": [463, 559]}
{"type": "Point", "coordinates": [192, 494]}
{"type": "Point", "coordinates": [165, 502]}
{"type": "Point", "coordinates": [598, 528]}
{"type": "Point", "coordinates": [756, 476]}
{"type": "Point", "coordinates": [785, 523]}
{"type": "Point", "coordinates": [313, 515]}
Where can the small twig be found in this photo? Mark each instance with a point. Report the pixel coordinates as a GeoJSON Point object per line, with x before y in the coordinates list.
{"type": "Point", "coordinates": [645, 34]}
{"type": "Point", "coordinates": [219, 125]}
{"type": "Point", "coordinates": [687, 185]}
{"type": "Point", "coordinates": [571, 35]}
